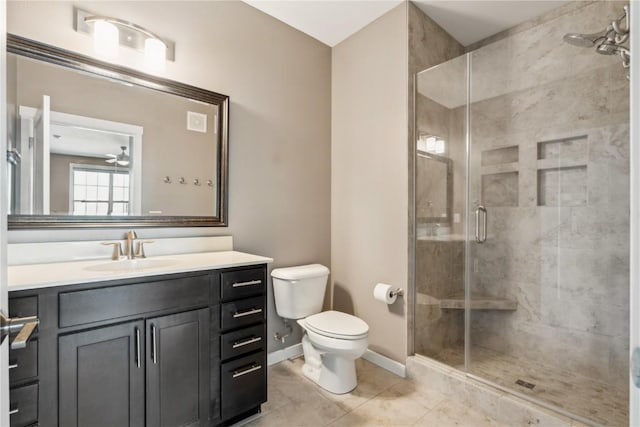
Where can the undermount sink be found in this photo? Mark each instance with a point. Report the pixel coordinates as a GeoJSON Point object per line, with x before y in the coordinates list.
{"type": "Point", "coordinates": [132, 265]}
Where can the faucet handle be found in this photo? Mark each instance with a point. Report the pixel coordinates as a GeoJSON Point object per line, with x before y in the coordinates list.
{"type": "Point", "coordinates": [140, 248]}
{"type": "Point", "coordinates": [117, 250]}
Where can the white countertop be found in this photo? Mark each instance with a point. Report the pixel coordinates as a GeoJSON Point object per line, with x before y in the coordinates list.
{"type": "Point", "coordinates": [35, 276]}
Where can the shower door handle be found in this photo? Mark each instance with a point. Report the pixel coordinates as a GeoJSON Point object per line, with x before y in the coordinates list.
{"type": "Point", "coordinates": [635, 367]}
{"type": "Point", "coordinates": [481, 237]}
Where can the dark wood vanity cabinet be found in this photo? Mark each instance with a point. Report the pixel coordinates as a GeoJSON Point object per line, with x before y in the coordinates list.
{"type": "Point", "coordinates": [178, 350]}
{"type": "Point", "coordinates": [177, 368]}
{"type": "Point", "coordinates": [101, 377]}
{"type": "Point", "coordinates": [243, 342]}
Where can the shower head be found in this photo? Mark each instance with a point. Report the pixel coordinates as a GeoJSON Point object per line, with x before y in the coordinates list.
{"type": "Point", "coordinates": [608, 42]}
{"type": "Point", "coordinates": [608, 48]}
{"type": "Point", "coordinates": [585, 40]}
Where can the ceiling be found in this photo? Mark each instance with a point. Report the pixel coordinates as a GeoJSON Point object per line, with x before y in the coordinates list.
{"type": "Point", "coordinates": [468, 21]}
{"type": "Point", "coordinates": [85, 142]}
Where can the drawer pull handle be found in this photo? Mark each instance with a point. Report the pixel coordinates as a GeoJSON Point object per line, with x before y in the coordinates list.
{"type": "Point", "coordinates": [13, 366]}
{"type": "Point", "coordinates": [246, 342]}
{"type": "Point", "coordinates": [249, 283]}
{"type": "Point", "coordinates": [14, 411]}
{"type": "Point", "coordinates": [254, 368]}
{"type": "Point", "coordinates": [246, 313]}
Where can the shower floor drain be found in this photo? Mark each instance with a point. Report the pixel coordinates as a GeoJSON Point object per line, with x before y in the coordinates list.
{"type": "Point", "coordinates": [525, 384]}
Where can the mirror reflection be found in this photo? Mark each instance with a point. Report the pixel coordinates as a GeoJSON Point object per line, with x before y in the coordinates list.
{"type": "Point", "coordinates": [81, 144]}
{"type": "Point", "coordinates": [434, 181]}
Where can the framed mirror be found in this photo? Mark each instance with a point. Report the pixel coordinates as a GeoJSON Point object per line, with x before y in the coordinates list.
{"type": "Point", "coordinates": [92, 144]}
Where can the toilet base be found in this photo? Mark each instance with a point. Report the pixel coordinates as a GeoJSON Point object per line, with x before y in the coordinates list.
{"type": "Point", "coordinates": [334, 373]}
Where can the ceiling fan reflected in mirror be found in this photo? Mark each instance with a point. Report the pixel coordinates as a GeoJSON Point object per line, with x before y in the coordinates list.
{"type": "Point", "coordinates": [121, 159]}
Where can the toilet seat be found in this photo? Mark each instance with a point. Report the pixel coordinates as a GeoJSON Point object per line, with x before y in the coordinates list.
{"type": "Point", "coordinates": [335, 324]}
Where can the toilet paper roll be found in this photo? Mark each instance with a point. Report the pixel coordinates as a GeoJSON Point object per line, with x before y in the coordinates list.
{"type": "Point", "coordinates": [382, 292]}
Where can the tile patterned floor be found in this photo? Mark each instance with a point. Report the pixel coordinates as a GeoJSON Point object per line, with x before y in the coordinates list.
{"type": "Point", "coordinates": [381, 399]}
{"type": "Point", "coordinates": [579, 395]}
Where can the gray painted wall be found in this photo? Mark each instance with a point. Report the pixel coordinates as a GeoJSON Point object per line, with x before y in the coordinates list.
{"type": "Point", "coordinates": [369, 177]}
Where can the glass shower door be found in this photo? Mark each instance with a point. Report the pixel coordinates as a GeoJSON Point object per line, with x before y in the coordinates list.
{"type": "Point", "coordinates": [440, 206]}
{"type": "Point", "coordinates": [547, 278]}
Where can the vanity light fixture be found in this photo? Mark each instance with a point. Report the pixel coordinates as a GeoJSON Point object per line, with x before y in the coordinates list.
{"type": "Point", "coordinates": [155, 53]}
{"type": "Point", "coordinates": [109, 33]}
{"type": "Point", "coordinates": [105, 39]}
{"type": "Point", "coordinates": [431, 144]}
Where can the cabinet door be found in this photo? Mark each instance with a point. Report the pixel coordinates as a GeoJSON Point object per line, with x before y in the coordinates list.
{"type": "Point", "coordinates": [178, 369]}
{"type": "Point", "coordinates": [101, 377]}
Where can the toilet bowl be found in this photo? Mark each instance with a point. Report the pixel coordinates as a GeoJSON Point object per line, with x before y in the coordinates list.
{"type": "Point", "coordinates": [331, 344]}
{"type": "Point", "coordinates": [332, 340]}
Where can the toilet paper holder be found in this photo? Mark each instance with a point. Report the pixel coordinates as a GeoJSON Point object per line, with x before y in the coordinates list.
{"type": "Point", "coordinates": [398, 292]}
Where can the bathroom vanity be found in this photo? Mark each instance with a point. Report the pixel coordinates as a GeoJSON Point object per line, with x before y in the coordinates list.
{"type": "Point", "coordinates": [180, 343]}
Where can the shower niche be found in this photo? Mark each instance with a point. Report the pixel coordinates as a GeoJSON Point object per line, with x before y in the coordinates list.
{"type": "Point", "coordinates": [500, 176]}
{"type": "Point", "coordinates": [562, 172]}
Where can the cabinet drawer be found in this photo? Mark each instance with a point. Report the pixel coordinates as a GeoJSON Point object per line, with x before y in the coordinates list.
{"type": "Point", "coordinates": [241, 313]}
{"type": "Point", "coordinates": [244, 341]}
{"type": "Point", "coordinates": [23, 363]}
{"type": "Point", "coordinates": [244, 384]}
{"type": "Point", "coordinates": [95, 305]}
{"type": "Point", "coordinates": [23, 407]}
{"type": "Point", "coordinates": [242, 283]}
{"type": "Point", "coordinates": [23, 307]}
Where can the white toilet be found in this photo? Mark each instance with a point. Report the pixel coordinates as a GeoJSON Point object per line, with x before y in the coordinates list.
{"type": "Point", "coordinates": [333, 340]}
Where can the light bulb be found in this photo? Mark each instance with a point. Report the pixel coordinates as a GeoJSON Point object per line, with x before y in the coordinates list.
{"type": "Point", "coordinates": [431, 144]}
{"type": "Point", "coordinates": [155, 54]}
{"type": "Point", "coordinates": [106, 39]}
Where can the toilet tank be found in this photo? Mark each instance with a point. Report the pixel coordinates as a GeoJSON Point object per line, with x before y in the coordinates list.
{"type": "Point", "coordinates": [299, 291]}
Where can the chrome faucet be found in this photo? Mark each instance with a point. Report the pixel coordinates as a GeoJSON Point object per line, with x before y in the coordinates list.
{"type": "Point", "coordinates": [129, 252]}
{"type": "Point", "coordinates": [128, 249]}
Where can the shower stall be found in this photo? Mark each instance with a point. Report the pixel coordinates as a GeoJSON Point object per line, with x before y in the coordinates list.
{"type": "Point", "coordinates": [522, 213]}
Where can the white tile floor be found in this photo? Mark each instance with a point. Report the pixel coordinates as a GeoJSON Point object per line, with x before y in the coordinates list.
{"type": "Point", "coordinates": [381, 399]}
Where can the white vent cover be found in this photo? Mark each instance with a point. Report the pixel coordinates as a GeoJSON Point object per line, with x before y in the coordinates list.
{"type": "Point", "coordinates": [196, 122]}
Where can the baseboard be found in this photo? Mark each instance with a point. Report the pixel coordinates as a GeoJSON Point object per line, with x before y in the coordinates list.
{"type": "Point", "coordinates": [376, 358]}
{"type": "Point", "coordinates": [385, 363]}
{"type": "Point", "coordinates": [284, 354]}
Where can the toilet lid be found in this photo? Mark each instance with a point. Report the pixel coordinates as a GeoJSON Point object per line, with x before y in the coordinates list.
{"type": "Point", "coordinates": [337, 325]}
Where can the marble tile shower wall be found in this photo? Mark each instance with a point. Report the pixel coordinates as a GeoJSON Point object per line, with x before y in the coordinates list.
{"type": "Point", "coordinates": [559, 214]}
{"type": "Point", "coordinates": [439, 274]}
